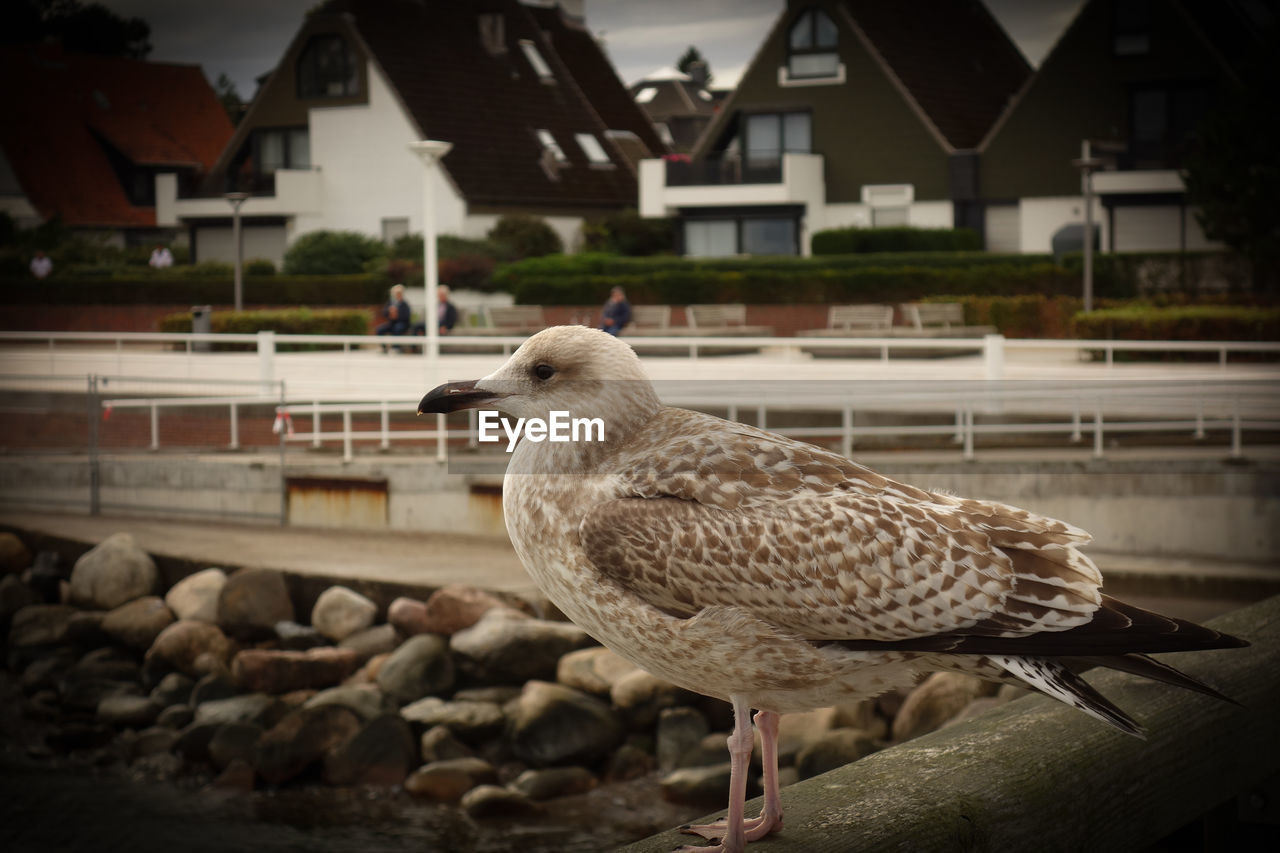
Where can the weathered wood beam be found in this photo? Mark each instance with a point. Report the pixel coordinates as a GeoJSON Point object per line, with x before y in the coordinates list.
{"type": "Point", "coordinates": [1037, 775]}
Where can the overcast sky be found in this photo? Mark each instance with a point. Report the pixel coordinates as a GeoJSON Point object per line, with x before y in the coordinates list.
{"type": "Point", "coordinates": [245, 38]}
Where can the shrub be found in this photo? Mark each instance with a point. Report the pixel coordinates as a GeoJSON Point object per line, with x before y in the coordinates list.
{"type": "Point", "coordinates": [468, 272]}
{"type": "Point", "coordinates": [627, 233]}
{"type": "Point", "coordinates": [526, 237]}
{"type": "Point", "coordinates": [296, 321]}
{"type": "Point", "coordinates": [1030, 315]}
{"type": "Point", "coordinates": [207, 269]}
{"type": "Point", "coordinates": [161, 288]}
{"type": "Point", "coordinates": [843, 241]}
{"type": "Point", "coordinates": [332, 253]}
{"type": "Point", "coordinates": [1142, 322]}
{"type": "Point", "coordinates": [259, 266]}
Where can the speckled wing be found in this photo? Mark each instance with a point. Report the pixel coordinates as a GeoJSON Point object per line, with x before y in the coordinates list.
{"type": "Point", "coordinates": [810, 542]}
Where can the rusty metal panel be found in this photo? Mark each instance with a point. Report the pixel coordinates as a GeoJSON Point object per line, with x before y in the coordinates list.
{"type": "Point", "coordinates": [337, 502]}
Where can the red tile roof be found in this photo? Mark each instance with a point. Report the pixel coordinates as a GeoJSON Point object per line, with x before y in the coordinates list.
{"type": "Point", "coordinates": [63, 112]}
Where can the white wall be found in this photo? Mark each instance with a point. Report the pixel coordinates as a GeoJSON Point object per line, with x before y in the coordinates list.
{"type": "Point", "coordinates": [214, 243]}
{"type": "Point", "coordinates": [1040, 219]}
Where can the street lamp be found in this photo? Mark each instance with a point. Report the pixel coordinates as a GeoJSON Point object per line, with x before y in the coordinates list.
{"type": "Point", "coordinates": [431, 151]}
{"type": "Point", "coordinates": [237, 199]}
{"type": "Point", "coordinates": [1088, 164]}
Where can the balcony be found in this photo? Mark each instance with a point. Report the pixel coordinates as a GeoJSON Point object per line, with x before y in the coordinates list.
{"type": "Point", "coordinates": [666, 186]}
{"type": "Point", "coordinates": [721, 170]}
{"type": "Point", "coordinates": [293, 192]}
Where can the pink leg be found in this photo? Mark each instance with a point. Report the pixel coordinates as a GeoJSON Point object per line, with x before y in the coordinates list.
{"type": "Point", "coordinates": [770, 819]}
{"type": "Point", "coordinates": [733, 837]}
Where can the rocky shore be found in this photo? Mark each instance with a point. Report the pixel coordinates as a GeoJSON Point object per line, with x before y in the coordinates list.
{"type": "Point", "coordinates": [460, 716]}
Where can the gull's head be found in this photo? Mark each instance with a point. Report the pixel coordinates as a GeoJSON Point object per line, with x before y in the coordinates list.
{"type": "Point", "coordinates": [583, 371]}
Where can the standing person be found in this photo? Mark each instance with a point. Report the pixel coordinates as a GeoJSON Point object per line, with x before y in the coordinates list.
{"type": "Point", "coordinates": [161, 257]}
{"type": "Point", "coordinates": [41, 265]}
{"type": "Point", "coordinates": [616, 313]}
{"type": "Point", "coordinates": [398, 315]}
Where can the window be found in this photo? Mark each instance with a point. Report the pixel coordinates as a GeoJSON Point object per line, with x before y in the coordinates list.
{"type": "Point", "coordinates": [1132, 27]}
{"type": "Point", "coordinates": [550, 147]}
{"type": "Point", "coordinates": [646, 94]}
{"type": "Point", "coordinates": [710, 238]}
{"type": "Point", "coordinates": [327, 69]}
{"type": "Point", "coordinates": [281, 148]}
{"type": "Point", "coordinates": [770, 135]}
{"type": "Point", "coordinates": [592, 148]}
{"type": "Point", "coordinates": [769, 236]}
{"type": "Point", "coordinates": [539, 64]}
{"type": "Point", "coordinates": [811, 46]}
{"type": "Point", "coordinates": [757, 232]}
{"type": "Point", "coordinates": [1162, 124]}
{"type": "Point", "coordinates": [394, 228]}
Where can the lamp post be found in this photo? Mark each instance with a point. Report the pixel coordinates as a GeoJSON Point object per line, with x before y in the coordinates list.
{"type": "Point", "coordinates": [1087, 164]}
{"type": "Point", "coordinates": [430, 151]}
{"type": "Point", "coordinates": [237, 199]}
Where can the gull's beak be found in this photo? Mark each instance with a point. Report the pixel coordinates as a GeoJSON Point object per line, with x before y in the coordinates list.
{"type": "Point", "coordinates": [454, 396]}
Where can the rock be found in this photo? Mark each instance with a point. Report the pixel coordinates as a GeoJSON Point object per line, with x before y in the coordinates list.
{"type": "Point", "coordinates": [448, 781]}
{"type": "Point", "coordinates": [49, 573]}
{"type": "Point", "coordinates": [371, 642]}
{"type": "Point", "coordinates": [192, 648]}
{"type": "Point", "coordinates": [367, 700]}
{"type": "Point", "coordinates": [340, 612]}
{"type": "Point", "coordinates": [420, 667]}
{"type": "Point", "coordinates": [113, 664]}
{"type": "Point", "coordinates": [156, 740]}
{"type": "Point", "coordinates": [40, 625]}
{"type": "Point", "coordinates": [711, 749]}
{"type": "Point", "coordinates": [45, 673]}
{"type": "Point", "coordinates": [593, 670]}
{"type": "Point", "coordinates": [499, 694]}
{"type": "Point", "coordinates": [115, 572]}
{"type": "Point", "coordinates": [456, 606]}
{"type": "Point", "coordinates": [705, 787]}
{"type": "Point", "coordinates": [552, 724]}
{"type": "Point", "coordinates": [173, 689]}
{"type": "Point", "coordinates": [1010, 692]}
{"type": "Point", "coordinates": [302, 738]}
{"type": "Point", "coordinates": [470, 721]}
{"type": "Point", "coordinates": [640, 696]}
{"type": "Point", "coordinates": [176, 717]}
{"type": "Point", "coordinates": [138, 623]}
{"type": "Point", "coordinates": [79, 692]}
{"type": "Point", "coordinates": [14, 555]}
{"type": "Point", "coordinates": [679, 731]}
{"type": "Point", "coordinates": [85, 629]}
{"type": "Point", "coordinates": [252, 601]}
{"type": "Point", "coordinates": [124, 711]}
{"type": "Point", "coordinates": [934, 701]}
{"type": "Point", "coordinates": [215, 685]}
{"type": "Point", "coordinates": [409, 616]}
{"type": "Point", "coordinates": [492, 801]}
{"type": "Point", "coordinates": [193, 741]}
{"type": "Point", "coordinates": [629, 762]}
{"type": "Point", "coordinates": [196, 595]}
{"type": "Point", "coordinates": [554, 782]}
{"type": "Point", "coordinates": [506, 647]}
{"type": "Point", "coordinates": [266, 670]}
{"type": "Point", "coordinates": [381, 753]}
{"type": "Point", "coordinates": [439, 744]}
{"type": "Point", "coordinates": [238, 776]}
{"type": "Point", "coordinates": [836, 748]}
{"type": "Point", "coordinates": [233, 742]}
{"type": "Point", "coordinates": [796, 731]}
{"type": "Point", "coordinates": [251, 708]}
{"type": "Point", "coordinates": [298, 638]}
{"type": "Point", "coordinates": [14, 595]}
{"type": "Point", "coordinates": [862, 715]}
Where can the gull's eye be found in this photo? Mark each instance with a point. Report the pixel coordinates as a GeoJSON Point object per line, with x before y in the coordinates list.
{"type": "Point", "coordinates": [544, 372]}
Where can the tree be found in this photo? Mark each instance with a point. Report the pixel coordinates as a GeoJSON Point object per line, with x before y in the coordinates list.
{"type": "Point", "coordinates": [688, 58]}
{"type": "Point", "coordinates": [225, 89]}
{"type": "Point", "coordinates": [91, 28]}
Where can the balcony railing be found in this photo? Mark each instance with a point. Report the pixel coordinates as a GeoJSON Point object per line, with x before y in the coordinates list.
{"type": "Point", "coordinates": [722, 170]}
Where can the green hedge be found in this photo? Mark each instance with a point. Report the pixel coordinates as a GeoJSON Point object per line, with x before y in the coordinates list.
{"type": "Point", "coordinates": [1031, 315]}
{"type": "Point", "coordinates": [843, 241]}
{"type": "Point", "coordinates": [1144, 322]}
{"type": "Point", "coordinates": [157, 289]}
{"type": "Point", "coordinates": [300, 321]}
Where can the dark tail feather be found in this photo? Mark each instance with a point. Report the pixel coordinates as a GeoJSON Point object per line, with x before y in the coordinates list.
{"type": "Point", "coordinates": [1053, 678]}
{"type": "Point", "coordinates": [1147, 667]}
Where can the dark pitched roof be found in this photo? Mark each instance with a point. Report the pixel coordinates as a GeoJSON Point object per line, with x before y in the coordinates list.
{"type": "Point", "coordinates": [952, 56]}
{"type": "Point", "coordinates": [64, 113]}
{"type": "Point", "coordinates": [490, 105]}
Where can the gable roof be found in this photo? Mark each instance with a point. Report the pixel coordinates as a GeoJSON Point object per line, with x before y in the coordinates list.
{"type": "Point", "coordinates": [69, 114]}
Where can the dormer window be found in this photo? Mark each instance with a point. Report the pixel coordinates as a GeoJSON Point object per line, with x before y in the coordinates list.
{"type": "Point", "coordinates": [539, 64]}
{"type": "Point", "coordinates": [811, 46]}
{"type": "Point", "coordinates": [593, 149]}
{"type": "Point", "coordinates": [327, 69]}
{"type": "Point", "coordinates": [550, 147]}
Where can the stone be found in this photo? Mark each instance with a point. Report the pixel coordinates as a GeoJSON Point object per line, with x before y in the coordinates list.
{"type": "Point", "coordinates": [552, 782]}
{"type": "Point", "coordinates": [640, 697]}
{"type": "Point", "coordinates": [40, 625]}
{"type": "Point", "coordinates": [156, 740]}
{"type": "Point", "coordinates": [192, 648]}
{"type": "Point", "coordinates": [125, 711]}
{"type": "Point", "coordinates": [302, 738]}
{"type": "Point", "coordinates": [233, 742]}
{"type": "Point", "coordinates": [298, 638]}
{"type": "Point", "coordinates": [85, 629]}
{"type": "Point", "coordinates": [420, 667]}
{"type": "Point", "coordinates": [381, 753]}
{"type": "Point", "coordinates": [49, 573]}
{"type": "Point", "coordinates": [15, 557]}
{"type": "Point", "coordinates": [629, 762]}
{"type": "Point", "coordinates": [935, 700]}
{"type": "Point", "coordinates": [447, 781]}
{"type": "Point", "coordinates": [176, 717]}
{"type": "Point", "coordinates": [14, 595]}
{"type": "Point", "coordinates": [705, 787]}
{"type": "Point", "coordinates": [506, 647]}
{"type": "Point", "coordinates": [367, 700]}
{"type": "Point", "coordinates": [499, 694]}
{"type": "Point", "coordinates": [833, 749]}
{"type": "Point", "coordinates": [196, 595]}
{"type": "Point", "coordinates": [137, 623]}
{"type": "Point", "coordinates": [493, 801]}
{"type": "Point", "coordinates": [215, 685]}
{"type": "Point", "coordinates": [252, 601]}
{"type": "Point", "coordinates": [455, 606]}
{"type": "Point", "coordinates": [472, 722]}
{"type": "Point", "coordinates": [83, 692]}
{"type": "Point", "coordinates": [680, 730]}
{"type": "Point", "coordinates": [251, 708]}
{"type": "Point", "coordinates": [371, 642]}
{"type": "Point", "coordinates": [193, 741]}
{"type": "Point", "coordinates": [272, 671]}
{"type": "Point", "coordinates": [711, 749]}
{"type": "Point", "coordinates": [340, 612]}
{"type": "Point", "coordinates": [46, 672]}
{"type": "Point", "coordinates": [440, 744]}
{"type": "Point", "coordinates": [796, 731]}
{"type": "Point", "coordinates": [238, 776]}
{"type": "Point", "coordinates": [862, 715]}
{"type": "Point", "coordinates": [409, 616]}
{"type": "Point", "coordinates": [115, 572]}
{"type": "Point", "coordinates": [1010, 692]}
{"type": "Point", "coordinates": [174, 689]}
{"type": "Point", "coordinates": [551, 724]}
{"type": "Point", "coordinates": [592, 670]}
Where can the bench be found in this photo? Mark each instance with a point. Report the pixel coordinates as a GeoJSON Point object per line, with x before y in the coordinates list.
{"type": "Point", "coordinates": [844, 321]}
{"type": "Point", "coordinates": [654, 319]}
{"type": "Point", "coordinates": [729, 319]}
{"type": "Point", "coordinates": [938, 320]}
{"type": "Point", "coordinates": [512, 320]}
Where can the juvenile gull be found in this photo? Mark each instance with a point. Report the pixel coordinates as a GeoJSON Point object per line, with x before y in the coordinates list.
{"type": "Point", "coordinates": [783, 577]}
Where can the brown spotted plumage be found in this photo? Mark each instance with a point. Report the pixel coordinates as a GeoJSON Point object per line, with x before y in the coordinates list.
{"type": "Point", "coordinates": [780, 576]}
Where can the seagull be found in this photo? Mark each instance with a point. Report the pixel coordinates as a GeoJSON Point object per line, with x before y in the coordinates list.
{"type": "Point", "coordinates": [780, 576]}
